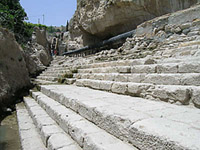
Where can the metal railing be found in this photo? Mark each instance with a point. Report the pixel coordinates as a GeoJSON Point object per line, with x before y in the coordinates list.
{"type": "Point", "coordinates": [92, 49]}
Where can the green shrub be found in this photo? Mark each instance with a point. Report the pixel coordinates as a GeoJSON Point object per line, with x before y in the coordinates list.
{"type": "Point", "coordinates": [61, 80]}
{"type": "Point", "coordinates": [74, 71]}
{"type": "Point", "coordinates": [68, 75]}
{"type": "Point", "coordinates": [12, 17]}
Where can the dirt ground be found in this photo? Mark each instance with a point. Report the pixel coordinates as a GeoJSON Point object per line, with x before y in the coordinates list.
{"type": "Point", "coordinates": [9, 135]}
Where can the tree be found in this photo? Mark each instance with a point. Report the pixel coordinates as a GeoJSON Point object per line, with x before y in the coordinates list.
{"type": "Point", "coordinates": [51, 29]}
{"type": "Point", "coordinates": [67, 26]}
{"type": "Point", "coordinates": [12, 16]}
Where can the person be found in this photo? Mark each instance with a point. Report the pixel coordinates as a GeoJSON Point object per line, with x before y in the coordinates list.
{"type": "Point", "coordinates": [53, 46]}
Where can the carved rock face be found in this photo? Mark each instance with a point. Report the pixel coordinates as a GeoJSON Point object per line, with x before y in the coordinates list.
{"type": "Point", "coordinates": [107, 18]}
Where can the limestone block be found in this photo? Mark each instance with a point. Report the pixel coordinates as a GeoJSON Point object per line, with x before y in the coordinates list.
{"type": "Point", "coordinates": [137, 89]}
{"type": "Point", "coordinates": [58, 140]}
{"type": "Point", "coordinates": [190, 79]}
{"type": "Point", "coordinates": [189, 68]}
{"type": "Point", "coordinates": [143, 69]}
{"type": "Point", "coordinates": [47, 131]}
{"type": "Point", "coordinates": [193, 33]}
{"type": "Point", "coordinates": [136, 62]}
{"type": "Point", "coordinates": [127, 121]}
{"type": "Point", "coordinates": [109, 143]}
{"type": "Point", "coordinates": [109, 77]}
{"type": "Point", "coordinates": [87, 83]}
{"type": "Point", "coordinates": [176, 30]}
{"type": "Point", "coordinates": [84, 71]}
{"type": "Point", "coordinates": [120, 88]}
{"type": "Point", "coordinates": [167, 68]}
{"type": "Point", "coordinates": [95, 84]}
{"type": "Point", "coordinates": [166, 79]}
{"type": "Point", "coordinates": [43, 121]}
{"type": "Point", "coordinates": [70, 147]}
{"type": "Point", "coordinates": [186, 31]}
{"type": "Point", "coordinates": [30, 138]}
{"type": "Point", "coordinates": [111, 70]}
{"type": "Point", "coordinates": [99, 76]}
{"type": "Point", "coordinates": [105, 85]}
{"type": "Point", "coordinates": [79, 83]}
{"type": "Point", "coordinates": [196, 97]}
{"type": "Point", "coordinates": [84, 76]}
{"type": "Point", "coordinates": [120, 63]}
{"type": "Point", "coordinates": [124, 69]}
{"type": "Point", "coordinates": [196, 22]}
{"type": "Point", "coordinates": [91, 76]}
{"type": "Point", "coordinates": [70, 81]}
{"type": "Point", "coordinates": [121, 78]}
{"type": "Point", "coordinates": [137, 78]}
{"type": "Point", "coordinates": [186, 25]}
{"type": "Point", "coordinates": [172, 93]}
{"type": "Point", "coordinates": [143, 130]}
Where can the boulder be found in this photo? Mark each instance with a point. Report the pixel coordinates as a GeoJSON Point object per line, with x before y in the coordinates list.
{"type": "Point", "coordinates": [37, 58]}
{"type": "Point", "coordinates": [96, 20]}
{"type": "Point", "coordinates": [40, 36]}
{"type": "Point", "coordinates": [14, 78]}
{"type": "Point", "coordinates": [37, 52]}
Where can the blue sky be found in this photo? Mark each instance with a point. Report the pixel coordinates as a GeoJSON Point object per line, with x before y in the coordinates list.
{"type": "Point", "coordinates": [56, 12]}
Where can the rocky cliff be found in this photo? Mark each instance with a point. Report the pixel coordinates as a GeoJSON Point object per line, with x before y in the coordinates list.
{"type": "Point", "coordinates": [14, 76]}
{"type": "Point", "coordinates": [95, 20]}
{"type": "Point", "coordinates": [37, 54]}
{"type": "Point", "coordinates": [154, 36]}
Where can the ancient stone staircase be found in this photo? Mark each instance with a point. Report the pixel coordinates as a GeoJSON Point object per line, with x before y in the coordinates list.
{"type": "Point", "coordinates": [71, 117]}
{"type": "Point", "coordinates": [145, 103]}
{"type": "Point", "coordinates": [170, 82]}
{"type": "Point", "coordinates": [121, 105]}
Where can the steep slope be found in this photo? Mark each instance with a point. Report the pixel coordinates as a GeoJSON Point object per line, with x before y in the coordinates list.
{"type": "Point", "coordinates": [13, 72]}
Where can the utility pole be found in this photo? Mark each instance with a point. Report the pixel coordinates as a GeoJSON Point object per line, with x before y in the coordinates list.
{"type": "Point", "coordinates": [38, 20]}
{"type": "Point", "coordinates": [67, 26]}
{"type": "Point", "coordinates": [43, 18]}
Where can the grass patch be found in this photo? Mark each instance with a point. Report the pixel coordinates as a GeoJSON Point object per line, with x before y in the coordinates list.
{"type": "Point", "coordinates": [61, 80]}
{"type": "Point", "coordinates": [68, 75]}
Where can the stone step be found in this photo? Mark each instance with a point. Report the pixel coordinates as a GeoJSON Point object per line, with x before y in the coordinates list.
{"type": "Point", "coordinates": [181, 51]}
{"type": "Point", "coordinates": [192, 79]}
{"type": "Point", "coordinates": [169, 45]}
{"type": "Point", "coordinates": [185, 95]}
{"type": "Point", "coordinates": [58, 72]}
{"type": "Point", "coordinates": [52, 135]}
{"type": "Point", "coordinates": [145, 124]}
{"type": "Point", "coordinates": [181, 39]}
{"type": "Point", "coordinates": [58, 68]}
{"type": "Point", "coordinates": [70, 81]}
{"type": "Point", "coordinates": [84, 132]}
{"type": "Point", "coordinates": [154, 68]}
{"type": "Point", "coordinates": [117, 63]}
{"type": "Point", "coordinates": [182, 45]}
{"type": "Point", "coordinates": [38, 81]}
{"type": "Point", "coordinates": [57, 58]}
{"type": "Point", "coordinates": [191, 59]}
{"type": "Point", "coordinates": [51, 75]}
{"type": "Point", "coordinates": [30, 138]}
{"type": "Point", "coordinates": [47, 78]}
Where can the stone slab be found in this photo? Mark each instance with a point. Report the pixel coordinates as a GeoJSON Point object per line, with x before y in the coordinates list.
{"type": "Point", "coordinates": [30, 138]}
{"type": "Point", "coordinates": [121, 116]}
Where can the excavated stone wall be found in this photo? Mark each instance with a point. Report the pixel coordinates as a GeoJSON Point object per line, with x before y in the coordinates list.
{"type": "Point", "coordinates": [95, 20]}
{"type": "Point", "coordinates": [152, 37]}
